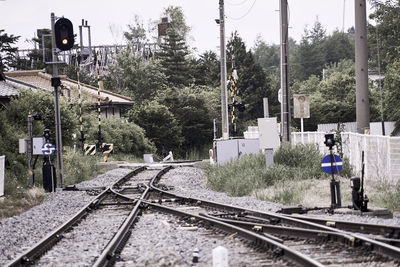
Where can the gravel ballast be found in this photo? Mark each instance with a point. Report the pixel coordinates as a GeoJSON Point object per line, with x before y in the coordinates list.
{"type": "Point", "coordinates": [21, 232]}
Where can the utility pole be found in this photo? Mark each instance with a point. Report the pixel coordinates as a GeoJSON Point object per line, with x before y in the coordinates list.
{"type": "Point", "coordinates": [224, 95]}
{"type": "Point", "coordinates": [57, 107]}
{"type": "Point", "coordinates": [362, 101]}
{"type": "Point", "coordinates": [285, 104]}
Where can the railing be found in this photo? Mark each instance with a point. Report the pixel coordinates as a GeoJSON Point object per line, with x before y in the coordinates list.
{"type": "Point", "coordinates": [381, 153]}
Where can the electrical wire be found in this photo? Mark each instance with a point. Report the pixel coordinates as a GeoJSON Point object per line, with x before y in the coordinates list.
{"type": "Point", "coordinates": [245, 14]}
{"type": "Point", "coordinates": [237, 4]}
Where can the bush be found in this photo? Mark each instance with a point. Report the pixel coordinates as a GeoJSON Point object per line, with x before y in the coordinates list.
{"type": "Point", "coordinates": [241, 177]}
{"type": "Point", "coordinates": [78, 168]}
{"type": "Point", "coordinates": [127, 137]}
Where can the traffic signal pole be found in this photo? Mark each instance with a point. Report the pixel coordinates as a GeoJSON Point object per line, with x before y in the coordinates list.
{"type": "Point", "coordinates": [57, 108]}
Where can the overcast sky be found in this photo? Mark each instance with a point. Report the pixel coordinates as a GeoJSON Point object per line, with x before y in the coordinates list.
{"type": "Point", "coordinates": [249, 17]}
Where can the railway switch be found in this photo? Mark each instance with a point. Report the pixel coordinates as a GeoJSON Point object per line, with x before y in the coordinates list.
{"type": "Point", "coordinates": [360, 202]}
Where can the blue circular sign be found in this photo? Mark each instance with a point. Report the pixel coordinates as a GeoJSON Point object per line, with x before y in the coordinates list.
{"type": "Point", "coordinates": [327, 166]}
{"type": "Point", "coordinates": [48, 149]}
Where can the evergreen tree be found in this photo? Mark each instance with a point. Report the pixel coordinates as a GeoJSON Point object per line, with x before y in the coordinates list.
{"type": "Point", "coordinates": [172, 56]}
{"type": "Point", "coordinates": [387, 18]}
{"type": "Point", "coordinates": [253, 84]}
{"type": "Point", "coordinates": [205, 70]}
{"type": "Point", "coordinates": [7, 51]}
{"type": "Point", "coordinates": [310, 55]}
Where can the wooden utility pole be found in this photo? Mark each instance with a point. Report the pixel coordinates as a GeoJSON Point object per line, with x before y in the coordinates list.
{"type": "Point", "coordinates": [362, 101]}
{"type": "Point", "coordinates": [285, 104]}
{"type": "Point", "coordinates": [224, 95]}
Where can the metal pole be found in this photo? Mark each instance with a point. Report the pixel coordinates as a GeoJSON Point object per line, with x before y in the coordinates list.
{"type": "Point", "coordinates": [90, 43]}
{"type": "Point", "coordinates": [99, 137]}
{"type": "Point", "coordinates": [215, 128]}
{"type": "Point", "coordinates": [379, 79]}
{"type": "Point", "coordinates": [302, 130]}
{"type": "Point", "coordinates": [43, 49]}
{"type": "Point", "coordinates": [29, 150]}
{"type": "Point", "coordinates": [224, 95]}
{"type": "Point", "coordinates": [57, 109]}
{"type": "Point", "coordinates": [332, 184]}
{"type": "Point", "coordinates": [361, 53]}
{"type": "Point", "coordinates": [265, 104]}
{"type": "Point", "coordinates": [81, 37]}
{"type": "Point", "coordinates": [285, 105]}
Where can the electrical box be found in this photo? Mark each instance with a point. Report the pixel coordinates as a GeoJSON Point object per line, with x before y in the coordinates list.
{"type": "Point", "coordinates": [268, 133]}
{"type": "Point", "coordinates": [37, 145]}
{"type": "Point", "coordinates": [229, 150]}
{"type": "Point", "coordinates": [22, 146]}
{"type": "Point", "coordinates": [38, 142]}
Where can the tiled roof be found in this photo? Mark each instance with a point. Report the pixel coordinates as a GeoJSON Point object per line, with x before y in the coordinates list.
{"type": "Point", "coordinates": [42, 80]}
{"type": "Point", "coordinates": [7, 90]}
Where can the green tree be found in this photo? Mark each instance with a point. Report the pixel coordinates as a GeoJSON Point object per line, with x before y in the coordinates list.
{"type": "Point", "coordinates": [387, 17]}
{"type": "Point", "coordinates": [173, 58]}
{"type": "Point", "coordinates": [127, 137]}
{"type": "Point", "coordinates": [338, 46]}
{"type": "Point", "coordinates": [191, 110]}
{"type": "Point", "coordinates": [160, 125]}
{"type": "Point", "coordinates": [178, 22]}
{"type": "Point", "coordinates": [392, 99]}
{"type": "Point", "coordinates": [253, 84]}
{"type": "Point", "coordinates": [7, 51]}
{"type": "Point", "coordinates": [131, 76]}
{"type": "Point", "coordinates": [205, 69]}
{"type": "Point", "coordinates": [310, 56]}
{"type": "Point", "coordinates": [174, 51]}
{"type": "Point", "coordinates": [136, 33]}
{"type": "Point", "coordinates": [42, 102]}
{"type": "Point", "coordinates": [36, 56]}
{"type": "Point", "coordinates": [268, 56]}
{"type": "Point", "coordinates": [332, 99]}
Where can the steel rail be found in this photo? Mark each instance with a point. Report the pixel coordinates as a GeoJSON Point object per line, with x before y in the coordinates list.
{"type": "Point", "coordinates": [389, 231]}
{"type": "Point", "coordinates": [284, 230]}
{"type": "Point", "coordinates": [353, 240]}
{"type": "Point", "coordinates": [28, 257]}
{"type": "Point", "coordinates": [257, 239]}
{"type": "Point", "coordinates": [116, 244]}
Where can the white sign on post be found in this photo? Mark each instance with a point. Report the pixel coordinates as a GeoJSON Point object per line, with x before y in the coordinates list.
{"type": "Point", "coordinates": [301, 106]}
{"type": "Point", "coordinates": [301, 110]}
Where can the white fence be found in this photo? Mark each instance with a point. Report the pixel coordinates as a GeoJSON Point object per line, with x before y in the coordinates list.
{"type": "Point", "coordinates": [375, 127]}
{"type": "Point", "coordinates": [381, 153]}
{"type": "Point", "coordinates": [311, 138]}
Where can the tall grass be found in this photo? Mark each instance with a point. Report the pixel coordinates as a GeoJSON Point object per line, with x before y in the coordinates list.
{"type": "Point", "coordinates": [78, 167]}
{"type": "Point", "coordinates": [390, 197]}
{"type": "Point", "coordinates": [241, 177]}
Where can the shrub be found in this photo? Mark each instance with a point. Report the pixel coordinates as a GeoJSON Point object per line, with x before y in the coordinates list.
{"type": "Point", "coordinates": [78, 168]}
{"type": "Point", "coordinates": [127, 137]}
{"type": "Point", "coordinates": [248, 173]}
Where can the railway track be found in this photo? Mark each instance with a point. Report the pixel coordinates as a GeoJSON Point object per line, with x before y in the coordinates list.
{"type": "Point", "coordinates": [269, 239]}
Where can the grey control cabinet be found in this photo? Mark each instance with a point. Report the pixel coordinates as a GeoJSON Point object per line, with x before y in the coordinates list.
{"type": "Point", "coordinates": [229, 150]}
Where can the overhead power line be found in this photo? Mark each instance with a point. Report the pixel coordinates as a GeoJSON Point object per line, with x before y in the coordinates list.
{"type": "Point", "coordinates": [245, 14]}
{"type": "Point", "coordinates": [233, 4]}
